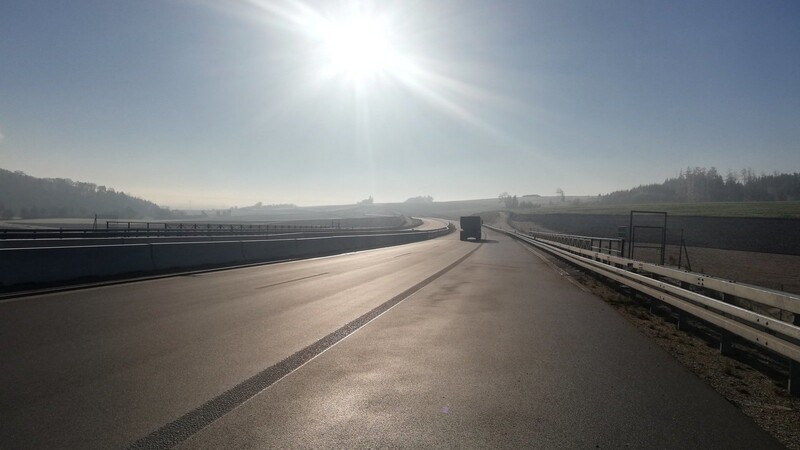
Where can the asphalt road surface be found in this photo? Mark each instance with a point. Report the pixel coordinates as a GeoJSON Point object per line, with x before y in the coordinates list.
{"type": "Point", "coordinates": [440, 343]}
{"type": "Point", "coordinates": [431, 224]}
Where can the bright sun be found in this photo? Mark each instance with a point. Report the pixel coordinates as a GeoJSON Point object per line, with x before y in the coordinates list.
{"type": "Point", "coordinates": [359, 48]}
{"type": "Point", "coordinates": [363, 47]}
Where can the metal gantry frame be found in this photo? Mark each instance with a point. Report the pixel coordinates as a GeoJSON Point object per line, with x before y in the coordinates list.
{"type": "Point", "coordinates": [662, 247]}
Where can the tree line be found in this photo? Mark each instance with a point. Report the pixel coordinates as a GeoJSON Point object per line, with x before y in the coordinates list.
{"type": "Point", "coordinates": [420, 199]}
{"type": "Point", "coordinates": [26, 197]}
{"type": "Point", "coordinates": [699, 184]}
{"type": "Point", "coordinates": [512, 202]}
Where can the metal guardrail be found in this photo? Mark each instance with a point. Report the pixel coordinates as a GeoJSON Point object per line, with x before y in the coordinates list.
{"type": "Point", "coordinates": [694, 294]}
{"type": "Point", "coordinates": [596, 244]}
{"type": "Point", "coordinates": [335, 225]}
{"type": "Point", "coordinates": [190, 226]}
{"type": "Point", "coordinates": [67, 233]}
{"type": "Point", "coordinates": [152, 229]}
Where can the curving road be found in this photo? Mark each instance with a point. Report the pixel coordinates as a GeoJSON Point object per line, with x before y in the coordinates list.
{"type": "Point", "coordinates": [438, 343]}
{"type": "Point", "coordinates": [431, 224]}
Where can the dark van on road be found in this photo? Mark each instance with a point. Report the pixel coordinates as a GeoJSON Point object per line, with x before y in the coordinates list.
{"type": "Point", "coordinates": [471, 227]}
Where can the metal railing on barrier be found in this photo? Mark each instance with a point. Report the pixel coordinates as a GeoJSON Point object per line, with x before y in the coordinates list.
{"type": "Point", "coordinates": [117, 228]}
{"type": "Point", "coordinates": [603, 245]}
{"type": "Point", "coordinates": [693, 294]}
{"type": "Point", "coordinates": [181, 226]}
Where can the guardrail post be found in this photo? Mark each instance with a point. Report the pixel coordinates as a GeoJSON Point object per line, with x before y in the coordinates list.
{"type": "Point", "coordinates": [654, 304]}
{"type": "Point", "coordinates": [794, 378]}
{"type": "Point", "coordinates": [726, 343]}
{"type": "Point", "coordinates": [794, 368]}
{"type": "Point", "coordinates": [683, 321]}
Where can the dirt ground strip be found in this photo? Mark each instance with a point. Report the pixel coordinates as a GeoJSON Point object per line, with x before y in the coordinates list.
{"type": "Point", "coordinates": [769, 270]}
{"type": "Point", "coordinates": [754, 383]}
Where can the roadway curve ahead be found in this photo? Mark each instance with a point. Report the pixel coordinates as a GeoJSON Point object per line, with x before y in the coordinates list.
{"type": "Point", "coordinates": [438, 343]}
{"type": "Point", "coordinates": [429, 224]}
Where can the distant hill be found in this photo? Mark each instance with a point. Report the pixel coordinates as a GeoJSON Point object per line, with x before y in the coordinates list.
{"type": "Point", "coordinates": [26, 197]}
{"type": "Point", "coordinates": [706, 185]}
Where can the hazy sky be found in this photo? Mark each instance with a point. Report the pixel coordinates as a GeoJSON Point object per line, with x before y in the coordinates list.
{"type": "Point", "coordinates": [233, 102]}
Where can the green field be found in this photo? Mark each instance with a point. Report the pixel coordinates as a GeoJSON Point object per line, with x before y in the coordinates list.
{"type": "Point", "coordinates": [550, 205]}
{"type": "Point", "coordinates": [711, 209]}
{"type": "Point", "coordinates": [454, 209]}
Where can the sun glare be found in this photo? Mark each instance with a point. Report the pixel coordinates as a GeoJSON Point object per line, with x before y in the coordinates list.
{"type": "Point", "coordinates": [366, 48]}
{"type": "Point", "coordinates": [359, 47]}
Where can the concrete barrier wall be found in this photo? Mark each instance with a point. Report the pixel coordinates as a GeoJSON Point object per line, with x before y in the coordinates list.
{"type": "Point", "coordinates": [196, 254]}
{"type": "Point", "coordinates": [83, 242]}
{"type": "Point", "coordinates": [55, 264]}
{"type": "Point", "coordinates": [20, 266]}
{"type": "Point", "coordinates": [268, 250]}
{"type": "Point", "coordinates": [327, 245]}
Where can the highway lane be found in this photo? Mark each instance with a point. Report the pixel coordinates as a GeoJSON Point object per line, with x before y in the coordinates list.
{"type": "Point", "coordinates": [107, 365]}
{"type": "Point", "coordinates": [498, 351]}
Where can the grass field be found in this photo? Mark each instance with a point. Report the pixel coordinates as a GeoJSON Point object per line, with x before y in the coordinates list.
{"type": "Point", "coordinates": [553, 205]}
{"type": "Point", "coordinates": [454, 209]}
{"type": "Point", "coordinates": [710, 209]}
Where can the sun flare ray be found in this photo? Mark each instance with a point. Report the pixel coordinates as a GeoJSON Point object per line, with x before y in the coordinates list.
{"type": "Point", "coordinates": [361, 47]}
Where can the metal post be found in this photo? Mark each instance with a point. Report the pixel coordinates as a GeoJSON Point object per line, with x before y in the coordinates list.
{"type": "Point", "coordinates": [794, 378]}
{"type": "Point", "coordinates": [683, 321]}
{"type": "Point", "coordinates": [630, 237]}
{"type": "Point", "coordinates": [794, 368]}
{"type": "Point", "coordinates": [664, 240]}
{"type": "Point", "coordinates": [726, 343]}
